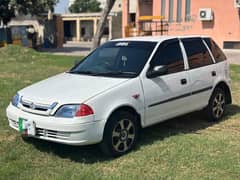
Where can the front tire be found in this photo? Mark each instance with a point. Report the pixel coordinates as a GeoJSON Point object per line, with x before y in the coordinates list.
{"type": "Point", "coordinates": [120, 134]}
{"type": "Point", "coordinates": [216, 106]}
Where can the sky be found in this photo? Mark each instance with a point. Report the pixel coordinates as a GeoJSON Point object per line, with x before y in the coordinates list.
{"type": "Point", "coordinates": [61, 7]}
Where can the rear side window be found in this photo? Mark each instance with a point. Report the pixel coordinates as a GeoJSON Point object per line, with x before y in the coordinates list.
{"type": "Point", "coordinates": [169, 53]}
{"type": "Point", "coordinates": [197, 53]}
{"type": "Point", "coordinates": [216, 51]}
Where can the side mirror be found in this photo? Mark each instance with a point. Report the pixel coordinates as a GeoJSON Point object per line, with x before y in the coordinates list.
{"type": "Point", "coordinates": [157, 71]}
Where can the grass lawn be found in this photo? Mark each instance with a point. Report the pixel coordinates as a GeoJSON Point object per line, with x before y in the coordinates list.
{"type": "Point", "coordinates": [188, 147]}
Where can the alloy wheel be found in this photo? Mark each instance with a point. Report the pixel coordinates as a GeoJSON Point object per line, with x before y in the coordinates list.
{"type": "Point", "coordinates": [218, 105]}
{"type": "Point", "coordinates": [123, 135]}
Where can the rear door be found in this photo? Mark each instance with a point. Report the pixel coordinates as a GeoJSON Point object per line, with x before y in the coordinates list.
{"type": "Point", "coordinates": [167, 96]}
{"type": "Point", "coordinates": [202, 71]}
{"type": "Point", "coordinates": [220, 60]}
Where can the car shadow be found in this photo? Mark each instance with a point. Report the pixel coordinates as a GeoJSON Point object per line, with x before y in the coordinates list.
{"type": "Point", "coordinates": [186, 124]}
{"type": "Point", "coordinates": [190, 123]}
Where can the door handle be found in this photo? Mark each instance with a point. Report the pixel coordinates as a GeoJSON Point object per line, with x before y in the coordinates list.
{"type": "Point", "coordinates": [214, 73]}
{"type": "Point", "coordinates": [183, 81]}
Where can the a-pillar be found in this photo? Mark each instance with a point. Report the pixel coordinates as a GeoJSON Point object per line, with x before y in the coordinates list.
{"type": "Point", "coordinates": [94, 26]}
{"type": "Point", "coordinates": [110, 28]}
{"type": "Point", "coordinates": [78, 30]}
{"type": "Point", "coordinates": [125, 16]}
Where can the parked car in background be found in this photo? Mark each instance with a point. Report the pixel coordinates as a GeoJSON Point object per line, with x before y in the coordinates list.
{"type": "Point", "coordinates": [122, 86]}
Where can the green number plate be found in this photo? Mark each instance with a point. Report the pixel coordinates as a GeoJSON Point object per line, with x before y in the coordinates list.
{"type": "Point", "coordinates": [21, 124]}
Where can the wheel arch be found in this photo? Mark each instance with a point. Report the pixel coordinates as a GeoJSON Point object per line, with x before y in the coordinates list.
{"type": "Point", "coordinates": [223, 85]}
{"type": "Point", "coordinates": [105, 144]}
{"type": "Point", "coordinates": [129, 109]}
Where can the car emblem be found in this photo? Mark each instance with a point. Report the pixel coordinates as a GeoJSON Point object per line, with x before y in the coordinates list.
{"type": "Point", "coordinates": [32, 106]}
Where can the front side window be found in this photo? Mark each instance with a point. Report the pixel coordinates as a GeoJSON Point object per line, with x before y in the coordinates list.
{"type": "Point", "coordinates": [216, 51]}
{"type": "Point", "coordinates": [116, 59]}
{"type": "Point", "coordinates": [169, 53]}
{"type": "Point", "coordinates": [197, 53]}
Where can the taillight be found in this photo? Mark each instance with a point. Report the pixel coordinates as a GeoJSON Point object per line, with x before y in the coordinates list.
{"type": "Point", "coordinates": [84, 110]}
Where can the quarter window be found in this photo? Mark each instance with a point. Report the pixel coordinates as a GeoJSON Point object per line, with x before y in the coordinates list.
{"type": "Point", "coordinates": [216, 51]}
{"type": "Point", "coordinates": [169, 53]}
{"type": "Point", "coordinates": [197, 53]}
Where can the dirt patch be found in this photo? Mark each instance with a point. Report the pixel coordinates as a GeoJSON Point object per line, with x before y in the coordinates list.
{"type": "Point", "coordinates": [10, 138]}
{"type": "Point", "coordinates": [8, 75]}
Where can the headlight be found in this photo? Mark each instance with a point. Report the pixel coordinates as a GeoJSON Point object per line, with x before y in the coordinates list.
{"type": "Point", "coordinates": [67, 111]}
{"type": "Point", "coordinates": [77, 110]}
{"type": "Point", "coordinates": [15, 100]}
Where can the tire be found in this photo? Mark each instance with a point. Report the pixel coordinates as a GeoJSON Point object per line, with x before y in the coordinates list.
{"type": "Point", "coordinates": [216, 106]}
{"type": "Point", "coordinates": [121, 134]}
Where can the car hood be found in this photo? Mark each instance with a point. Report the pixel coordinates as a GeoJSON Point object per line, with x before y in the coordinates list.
{"type": "Point", "coordinates": [69, 88]}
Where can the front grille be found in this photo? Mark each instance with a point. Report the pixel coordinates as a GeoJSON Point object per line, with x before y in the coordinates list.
{"type": "Point", "coordinates": [36, 107]}
{"type": "Point", "coordinates": [52, 134]}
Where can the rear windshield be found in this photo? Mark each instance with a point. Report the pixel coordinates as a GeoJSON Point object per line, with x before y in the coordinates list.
{"type": "Point", "coordinates": [217, 53]}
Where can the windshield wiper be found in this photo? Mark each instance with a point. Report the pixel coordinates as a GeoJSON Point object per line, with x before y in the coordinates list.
{"type": "Point", "coordinates": [109, 74]}
{"type": "Point", "coordinates": [117, 73]}
{"type": "Point", "coordinates": [83, 72]}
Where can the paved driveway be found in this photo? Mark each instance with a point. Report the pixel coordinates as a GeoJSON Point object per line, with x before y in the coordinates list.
{"type": "Point", "coordinates": [233, 56]}
{"type": "Point", "coordinates": [71, 49]}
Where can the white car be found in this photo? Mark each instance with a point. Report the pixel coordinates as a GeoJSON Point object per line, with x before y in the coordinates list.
{"type": "Point", "coordinates": [122, 86]}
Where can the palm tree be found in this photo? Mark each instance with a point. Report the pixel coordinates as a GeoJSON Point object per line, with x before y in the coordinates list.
{"type": "Point", "coordinates": [99, 33]}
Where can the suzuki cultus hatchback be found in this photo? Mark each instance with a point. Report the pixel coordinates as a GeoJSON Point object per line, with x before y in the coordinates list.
{"type": "Point", "coordinates": [122, 86]}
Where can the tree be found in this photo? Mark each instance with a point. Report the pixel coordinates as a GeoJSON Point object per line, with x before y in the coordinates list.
{"type": "Point", "coordinates": [82, 6]}
{"type": "Point", "coordinates": [7, 12]}
{"type": "Point", "coordinates": [9, 8]}
{"type": "Point", "coordinates": [102, 22]}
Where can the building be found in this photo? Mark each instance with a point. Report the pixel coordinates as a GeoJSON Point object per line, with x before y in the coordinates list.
{"type": "Point", "coordinates": [82, 26]}
{"type": "Point", "coordinates": [117, 7]}
{"type": "Point", "coordinates": [33, 31]}
{"type": "Point", "coordinates": [70, 2]}
{"type": "Point", "coordinates": [219, 19]}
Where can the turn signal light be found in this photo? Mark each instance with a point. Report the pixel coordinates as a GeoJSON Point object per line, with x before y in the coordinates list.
{"type": "Point", "coordinates": [84, 110]}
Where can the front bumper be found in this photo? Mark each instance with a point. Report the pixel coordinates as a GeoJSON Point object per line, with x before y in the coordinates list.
{"type": "Point", "coordinates": [75, 131]}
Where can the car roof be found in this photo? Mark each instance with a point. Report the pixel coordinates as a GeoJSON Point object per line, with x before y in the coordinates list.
{"type": "Point", "coordinates": [156, 38]}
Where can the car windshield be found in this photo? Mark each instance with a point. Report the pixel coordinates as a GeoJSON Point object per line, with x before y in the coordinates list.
{"type": "Point", "coordinates": [116, 59]}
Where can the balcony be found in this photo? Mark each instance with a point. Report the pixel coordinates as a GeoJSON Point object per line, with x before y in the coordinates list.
{"type": "Point", "coordinates": [147, 26]}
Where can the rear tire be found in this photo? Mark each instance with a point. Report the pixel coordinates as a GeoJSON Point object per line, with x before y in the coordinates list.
{"type": "Point", "coordinates": [216, 106]}
{"type": "Point", "coordinates": [121, 134]}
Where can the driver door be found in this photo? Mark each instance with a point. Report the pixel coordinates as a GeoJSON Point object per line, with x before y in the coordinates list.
{"type": "Point", "coordinates": [168, 95]}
